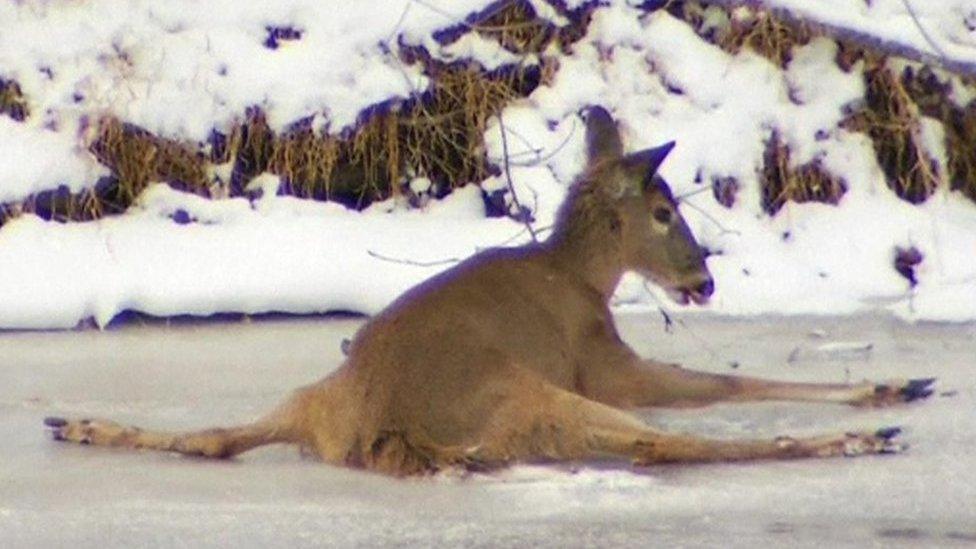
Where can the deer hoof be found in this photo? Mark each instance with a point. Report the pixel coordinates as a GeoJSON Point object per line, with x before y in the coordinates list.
{"type": "Point", "coordinates": [895, 392]}
{"type": "Point", "coordinates": [917, 389]}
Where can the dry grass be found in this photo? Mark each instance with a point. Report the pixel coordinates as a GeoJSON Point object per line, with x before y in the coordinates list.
{"type": "Point", "coordinates": [931, 95]}
{"type": "Point", "coordinates": [517, 27]}
{"type": "Point", "coordinates": [891, 118]}
{"type": "Point", "coordinates": [782, 183]}
{"type": "Point", "coordinates": [756, 30]}
{"type": "Point", "coordinates": [960, 126]}
{"type": "Point", "coordinates": [12, 101]}
{"type": "Point", "coordinates": [437, 134]}
{"type": "Point", "coordinates": [766, 35]}
{"type": "Point", "coordinates": [138, 158]}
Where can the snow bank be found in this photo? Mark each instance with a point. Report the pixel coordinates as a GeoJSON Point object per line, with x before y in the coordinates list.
{"type": "Point", "coordinates": [807, 259]}
{"type": "Point", "coordinates": [944, 29]}
{"type": "Point", "coordinates": [179, 70]}
{"type": "Point", "coordinates": [277, 254]}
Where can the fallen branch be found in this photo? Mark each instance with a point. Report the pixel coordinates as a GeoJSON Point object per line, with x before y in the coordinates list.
{"type": "Point", "coordinates": [448, 261]}
{"type": "Point", "coordinates": [860, 38]}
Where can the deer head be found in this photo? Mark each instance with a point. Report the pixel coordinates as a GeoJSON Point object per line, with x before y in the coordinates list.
{"type": "Point", "coordinates": [651, 236]}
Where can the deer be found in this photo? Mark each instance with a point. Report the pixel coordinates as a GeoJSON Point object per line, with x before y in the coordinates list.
{"type": "Point", "coordinates": [512, 356]}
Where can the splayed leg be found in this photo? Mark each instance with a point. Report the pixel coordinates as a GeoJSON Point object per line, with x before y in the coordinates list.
{"type": "Point", "coordinates": [562, 425]}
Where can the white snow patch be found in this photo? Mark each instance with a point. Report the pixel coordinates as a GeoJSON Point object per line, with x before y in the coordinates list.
{"type": "Point", "coordinates": [180, 70]}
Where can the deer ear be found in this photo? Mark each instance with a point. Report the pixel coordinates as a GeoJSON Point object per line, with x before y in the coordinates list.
{"type": "Point", "coordinates": [649, 160]}
{"type": "Point", "coordinates": [602, 138]}
{"type": "Point", "coordinates": [642, 165]}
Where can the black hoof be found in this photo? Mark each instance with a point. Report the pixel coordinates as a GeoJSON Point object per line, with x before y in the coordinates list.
{"type": "Point", "coordinates": [917, 389]}
{"type": "Point", "coordinates": [55, 422]}
{"type": "Point", "coordinates": [888, 433]}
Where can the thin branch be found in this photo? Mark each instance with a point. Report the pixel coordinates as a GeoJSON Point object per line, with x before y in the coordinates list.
{"type": "Point", "coordinates": [388, 50]}
{"type": "Point", "coordinates": [669, 325]}
{"type": "Point", "coordinates": [711, 218]}
{"type": "Point", "coordinates": [452, 260]}
{"type": "Point", "coordinates": [513, 238]}
{"type": "Point", "coordinates": [525, 140]}
{"type": "Point", "coordinates": [403, 17]}
{"type": "Point", "coordinates": [925, 33]}
{"type": "Point", "coordinates": [540, 158]}
{"type": "Point", "coordinates": [688, 194]}
{"type": "Point", "coordinates": [401, 261]}
{"type": "Point", "coordinates": [508, 178]}
{"type": "Point", "coordinates": [954, 65]}
{"type": "Point", "coordinates": [461, 20]}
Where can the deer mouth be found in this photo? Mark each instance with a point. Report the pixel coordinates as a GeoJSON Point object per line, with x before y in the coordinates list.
{"type": "Point", "coordinates": [686, 296]}
{"type": "Point", "coordinates": [698, 295]}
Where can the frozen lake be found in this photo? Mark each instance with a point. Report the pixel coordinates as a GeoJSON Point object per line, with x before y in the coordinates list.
{"type": "Point", "coordinates": [192, 375]}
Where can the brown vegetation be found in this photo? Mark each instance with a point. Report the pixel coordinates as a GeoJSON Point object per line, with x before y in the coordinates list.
{"type": "Point", "coordinates": [782, 182]}
{"type": "Point", "coordinates": [758, 30]}
{"type": "Point", "coordinates": [12, 101]}
{"type": "Point", "coordinates": [890, 116]}
{"type": "Point", "coordinates": [892, 120]}
{"type": "Point", "coordinates": [438, 133]}
{"type": "Point", "coordinates": [932, 95]}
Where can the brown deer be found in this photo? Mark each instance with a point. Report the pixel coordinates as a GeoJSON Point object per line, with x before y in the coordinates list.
{"type": "Point", "coordinates": [513, 356]}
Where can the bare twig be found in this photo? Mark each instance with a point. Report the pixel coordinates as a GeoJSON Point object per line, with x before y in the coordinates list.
{"type": "Point", "coordinates": [513, 238]}
{"type": "Point", "coordinates": [389, 49]}
{"type": "Point", "coordinates": [711, 218]}
{"type": "Point", "coordinates": [508, 178]}
{"type": "Point", "coordinates": [688, 194]}
{"type": "Point", "coordinates": [669, 325]}
{"type": "Point", "coordinates": [453, 17]}
{"type": "Point", "coordinates": [452, 260]}
{"type": "Point", "coordinates": [540, 158]}
{"type": "Point", "coordinates": [925, 33]}
{"type": "Point", "coordinates": [401, 261]}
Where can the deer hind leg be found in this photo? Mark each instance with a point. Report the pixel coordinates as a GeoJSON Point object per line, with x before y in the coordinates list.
{"type": "Point", "coordinates": [653, 384]}
{"type": "Point", "coordinates": [211, 443]}
{"type": "Point", "coordinates": [563, 425]}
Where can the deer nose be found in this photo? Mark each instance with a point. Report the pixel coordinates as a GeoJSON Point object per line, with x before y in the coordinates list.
{"type": "Point", "coordinates": [706, 288]}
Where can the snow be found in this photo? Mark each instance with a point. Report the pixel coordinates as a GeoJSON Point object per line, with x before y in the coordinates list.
{"type": "Point", "coordinates": [180, 70]}
{"type": "Point", "coordinates": [235, 256]}
{"type": "Point", "coordinates": [184, 376]}
{"type": "Point", "coordinates": [943, 29]}
{"type": "Point", "coordinates": [31, 156]}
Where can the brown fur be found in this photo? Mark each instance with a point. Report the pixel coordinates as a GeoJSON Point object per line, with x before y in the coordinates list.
{"type": "Point", "coordinates": [513, 355]}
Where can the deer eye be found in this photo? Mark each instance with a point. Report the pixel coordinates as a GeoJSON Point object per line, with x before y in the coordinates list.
{"type": "Point", "coordinates": [662, 215]}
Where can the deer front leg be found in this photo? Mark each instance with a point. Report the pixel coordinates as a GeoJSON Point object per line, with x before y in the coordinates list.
{"type": "Point", "coordinates": [541, 421]}
{"type": "Point", "coordinates": [629, 382]}
{"type": "Point", "coordinates": [688, 449]}
{"type": "Point", "coordinates": [610, 431]}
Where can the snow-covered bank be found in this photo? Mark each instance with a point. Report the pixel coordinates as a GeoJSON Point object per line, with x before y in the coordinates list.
{"type": "Point", "coordinates": [181, 72]}
{"type": "Point", "coordinates": [281, 255]}
{"type": "Point", "coordinates": [289, 255]}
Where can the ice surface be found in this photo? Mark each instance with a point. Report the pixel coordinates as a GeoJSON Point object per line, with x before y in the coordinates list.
{"type": "Point", "coordinates": [185, 376]}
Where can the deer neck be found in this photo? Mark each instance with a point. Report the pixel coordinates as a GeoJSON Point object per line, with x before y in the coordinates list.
{"type": "Point", "coordinates": [590, 255]}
